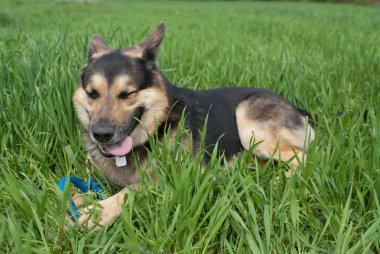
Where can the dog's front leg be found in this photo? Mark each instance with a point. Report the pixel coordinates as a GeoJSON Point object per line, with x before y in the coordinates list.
{"type": "Point", "coordinates": [109, 209]}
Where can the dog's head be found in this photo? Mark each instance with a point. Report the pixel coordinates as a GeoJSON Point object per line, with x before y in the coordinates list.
{"type": "Point", "coordinates": [122, 95]}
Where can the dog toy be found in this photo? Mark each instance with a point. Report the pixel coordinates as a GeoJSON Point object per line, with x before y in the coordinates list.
{"type": "Point", "coordinates": [90, 184]}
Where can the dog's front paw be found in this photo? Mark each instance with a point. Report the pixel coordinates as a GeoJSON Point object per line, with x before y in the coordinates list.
{"type": "Point", "coordinates": [102, 214]}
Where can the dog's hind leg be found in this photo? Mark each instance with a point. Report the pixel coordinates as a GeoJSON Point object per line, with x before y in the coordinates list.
{"type": "Point", "coordinates": [276, 128]}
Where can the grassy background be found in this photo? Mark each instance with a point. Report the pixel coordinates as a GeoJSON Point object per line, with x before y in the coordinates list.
{"type": "Point", "coordinates": [324, 58]}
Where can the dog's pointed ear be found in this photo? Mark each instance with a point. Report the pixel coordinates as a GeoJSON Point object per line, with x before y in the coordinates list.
{"type": "Point", "coordinates": [151, 44]}
{"type": "Point", "coordinates": [97, 47]}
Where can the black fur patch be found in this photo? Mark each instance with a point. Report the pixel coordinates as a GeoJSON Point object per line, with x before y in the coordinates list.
{"type": "Point", "coordinates": [137, 114]}
{"type": "Point", "coordinates": [114, 64]}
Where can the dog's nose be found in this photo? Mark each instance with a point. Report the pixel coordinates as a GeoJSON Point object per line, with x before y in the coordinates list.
{"type": "Point", "coordinates": [103, 132]}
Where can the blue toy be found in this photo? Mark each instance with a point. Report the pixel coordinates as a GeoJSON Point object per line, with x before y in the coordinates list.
{"type": "Point", "coordinates": [84, 187]}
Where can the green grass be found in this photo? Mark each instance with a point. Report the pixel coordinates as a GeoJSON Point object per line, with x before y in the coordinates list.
{"type": "Point", "coordinates": [324, 58]}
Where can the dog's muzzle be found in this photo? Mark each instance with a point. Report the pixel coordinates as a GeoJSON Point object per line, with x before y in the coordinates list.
{"type": "Point", "coordinates": [103, 133]}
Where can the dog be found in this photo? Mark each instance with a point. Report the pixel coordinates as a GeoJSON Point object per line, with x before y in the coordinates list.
{"type": "Point", "coordinates": [123, 98]}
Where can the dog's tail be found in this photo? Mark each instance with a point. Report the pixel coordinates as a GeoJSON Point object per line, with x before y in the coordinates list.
{"type": "Point", "coordinates": [365, 114]}
{"type": "Point", "coordinates": [313, 119]}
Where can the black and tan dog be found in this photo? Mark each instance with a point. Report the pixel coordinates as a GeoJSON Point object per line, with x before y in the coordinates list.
{"type": "Point", "coordinates": [123, 96]}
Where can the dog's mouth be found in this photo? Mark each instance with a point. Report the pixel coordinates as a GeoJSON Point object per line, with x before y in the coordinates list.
{"type": "Point", "coordinates": [121, 148]}
{"type": "Point", "coordinates": [125, 145]}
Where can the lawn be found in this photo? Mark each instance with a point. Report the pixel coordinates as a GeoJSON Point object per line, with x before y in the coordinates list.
{"type": "Point", "coordinates": [323, 57]}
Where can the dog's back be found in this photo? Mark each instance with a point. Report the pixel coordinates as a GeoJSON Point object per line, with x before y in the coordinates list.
{"type": "Point", "coordinates": [220, 105]}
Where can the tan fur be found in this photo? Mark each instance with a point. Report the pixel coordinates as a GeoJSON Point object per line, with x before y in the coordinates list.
{"type": "Point", "coordinates": [272, 138]}
{"type": "Point", "coordinates": [99, 83]}
{"type": "Point", "coordinates": [185, 142]}
{"type": "Point", "coordinates": [110, 209]}
{"type": "Point", "coordinates": [84, 105]}
{"type": "Point", "coordinates": [81, 106]}
{"type": "Point", "coordinates": [133, 52]}
{"type": "Point", "coordinates": [157, 105]}
{"type": "Point", "coordinates": [122, 83]}
{"type": "Point", "coordinates": [99, 54]}
{"type": "Point", "coordinates": [77, 198]}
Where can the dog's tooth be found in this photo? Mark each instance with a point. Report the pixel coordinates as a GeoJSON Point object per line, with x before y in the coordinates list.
{"type": "Point", "coordinates": [121, 161]}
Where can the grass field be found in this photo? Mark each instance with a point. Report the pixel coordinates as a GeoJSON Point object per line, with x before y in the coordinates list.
{"type": "Point", "coordinates": [324, 58]}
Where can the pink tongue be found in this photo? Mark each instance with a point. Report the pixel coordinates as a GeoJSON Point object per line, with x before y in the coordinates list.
{"type": "Point", "coordinates": [122, 148]}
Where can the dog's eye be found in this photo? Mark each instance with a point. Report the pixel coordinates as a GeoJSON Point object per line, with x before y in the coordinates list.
{"type": "Point", "coordinates": [93, 94]}
{"type": "Point", "coordinates": [124, 95]}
